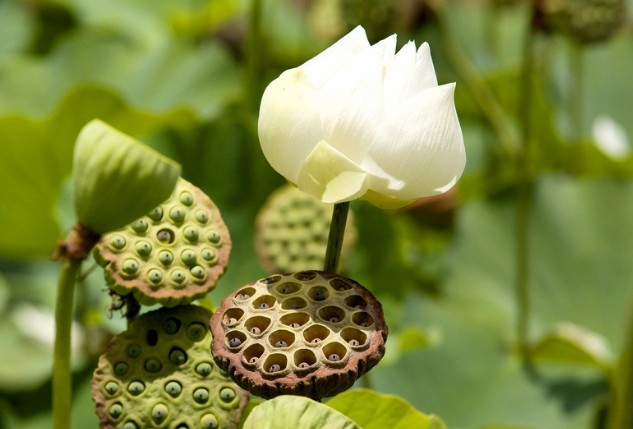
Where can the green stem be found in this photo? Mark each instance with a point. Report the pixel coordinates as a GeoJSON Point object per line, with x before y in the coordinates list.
{"type": "Point", "coordinates": [575, 99]}
{"type": "Point", "coordinates": [335, 239]}
{"type": "Point", "coordinates": [524, 199]}
{"type": "Point", "coordinates": [484, 97]}
{"type": "Point", "coordinates": [621, 411]}
{"type": "Point", "coordinates": [62, 376]}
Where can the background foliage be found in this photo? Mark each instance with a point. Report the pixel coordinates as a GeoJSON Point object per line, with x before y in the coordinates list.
{"type": "Point", "coordinates": [186, 77]}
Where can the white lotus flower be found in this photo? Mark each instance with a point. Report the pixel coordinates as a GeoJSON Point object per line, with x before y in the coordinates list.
{"type": "Point", "coordinates": [364, 121]}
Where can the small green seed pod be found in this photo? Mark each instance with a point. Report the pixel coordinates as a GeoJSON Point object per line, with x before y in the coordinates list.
{"type": "Point", "coordinates": [156, 214]}
{"type": "Point", "coordinates": [155, 276]}
{"type": "Point", "coordinates": [188, 257]}
{"type": "Point", "coordinates": [140, 226]}
{"type": "Point", "coordinates": [166, 257]}
{"type": "Point", "coordinates": [201, 395]}
{"type": "Point", "coordinates": [117, 242]}
{"type": "Point", "coordinates": [186, 198]}
{"type": "Point", "coordinates": [177, 214]}
{"type": "Point", "coordinates": [159, 413]}
{"type": "Point", "coordinates": [143, 248]}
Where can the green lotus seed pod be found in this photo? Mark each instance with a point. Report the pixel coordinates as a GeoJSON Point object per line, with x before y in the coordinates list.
{"type": "Point", "coordinates": [116, 178]}
{"type": "Point", "coordinates": [291, 232]}
{"type": "Point", "coordinates": [585, 21]}
{"type": "Point", "coordinates": [159, 373]}
{"type": "Point", "coordinates": [130, 425]}
{"type": "Point", "coordinates": [175, 261]}
{"type": "Point", "coordinates": [309, 333]}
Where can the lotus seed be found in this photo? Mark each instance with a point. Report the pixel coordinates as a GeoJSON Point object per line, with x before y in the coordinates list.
{"type": "Point", "coordinates": [196, 332]}
{"type": "Point", "coordinates": [209, 421]}
{"type": "Point", "coordinates": [303, 365]}
{"type": "Point", "coordinates": [274, 367]}
{"type": "Point", "coordinates": [227, 394]}
{"type": "Point", "coordinates": [254, 359]}
{"type": "Point", "coordinates": [130, 425]}
{"type": "Point", "coordinates": [295, 325]}
{"type": "Point", "coordinates": [202, 217]}
{"type": "Point", "coordinates": [197, 272]}
{"type": "Point", "coordinates": [191, 234]}
{"type": "Point", "coordinates": [173, 388]}
{"type": "Point", "coordinates": [134, 351]}
{"type": "Point", "coordinates": [316, 340]}
{"type": "Point", "coordinates": [235, 342]}
{"type": "Point", "coordinates": [318, 295]}
{"type": "Point", "coordinates": [178, 276]}
{"type": "Point", "coordinates": [166, 257]}
{"type": "Point", "coordinates": [121, 368]}
{"type": "Point", "coordinates": [177, 214]}
{"type": "Point", "coordinates": [334, 319]}
{"type": "Point", "coordinates": [255, 330]}
{"type": "Point", "coordinates": [354, 342]}
{"type": "Point", "coordinates": [281, 343]}
{"type": "Point", "coordinates": [165, 236]}
{"type": "Point", "coordinates": [140, 226]}
{"type": "Point", "coordinates": [188, 257]}
{"type": "Point", "coordinates": [130, 266]}
{"type": "Point", "coordinates": [143, 248]}
{"type": "Point", "coordinates": [243, 296]}
{"type": "Point", "coordinates": [201, 395]}
{"type": "Point", "coordinates": [263, 305]}
{"type": "Point", "coordinates": [177, 356]}
{"type": "Point", "coordinates": [334, 357]}
{"type": "Point", "coordinates": [136, 388]}
{"type": "Point", "coordinates": [213, 237]}
{"type": "Point", "coordinates": [155, 275]}
{"type": "Point", "coordinates": [208, 254]}
{"type": "Point", "coordinates": [156, 214]}
{"type": "Point", "coordinates": [116, 410]}
{"type": "Point", "coordinates": [153, 365]}
{"type": "Point", "coordinates": [159, 413]}
{"type": "Point", "coordinates": [232, 321]}
{"type": "Point", "coordinates": [111, 387]}
{"type": "Point", "coordinates": [117, 242]}
{"type": "Point", "coordinates": [171, 325]}
{"type": "Point", "coordinates": [186, 198]}
{"type": "Point", "coordinates": [204, 369]}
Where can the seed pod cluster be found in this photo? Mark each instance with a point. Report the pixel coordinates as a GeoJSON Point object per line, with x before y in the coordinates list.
{"type": "Point", "coordinates": [171, 256]}
{"type": "Point", "coordinates": [159, 373]}
{"type": "Point", "coordinates": [309, 333]}
{"type": "Point", "coordinates": [292, 231]}
{"type": "Point", "coordinates": [585, 21]}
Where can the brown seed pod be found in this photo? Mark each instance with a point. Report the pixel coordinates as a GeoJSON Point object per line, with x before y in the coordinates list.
{"type": "Point", "coordinates": [173, 255]}
{"type": "Point", "coordinates": [159, 374]}
{"type": "Point", "coordinates": [309, 333]}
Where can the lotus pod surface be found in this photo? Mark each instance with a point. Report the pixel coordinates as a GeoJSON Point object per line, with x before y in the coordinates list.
{"type": "Point", "coordinates": [310, 333]}
{"type": "Point", "coordinates": [173, 255]}
{"type": "Point", "coordinates": [585, 21]}
{"type": "Point", "coordinates": [292, 231]}
{"type": "Point", "coordinates": [159, 374]}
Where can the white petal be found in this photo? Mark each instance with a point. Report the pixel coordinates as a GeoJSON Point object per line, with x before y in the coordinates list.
{"type": "Point", "coordinates": [321, 67]}
{"type": "Point", "coordinates": [419, 150]}
{"type": "Point", "coordinates": [424, 71]}
{"type": "Point", "coordinates": [353, 104]}
{"type": "Point", "coordinates": [330, 176]}
{"type": "Point", "coordinates": [289, 123]}
{"type": "Point", "coordinates": [398, 76]}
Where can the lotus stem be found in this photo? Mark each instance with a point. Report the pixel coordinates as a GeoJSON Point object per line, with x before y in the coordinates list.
{"type": "Point", "coordinates": [335, 239]}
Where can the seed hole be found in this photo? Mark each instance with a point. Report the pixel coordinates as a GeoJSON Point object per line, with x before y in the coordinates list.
{"type": "Point", "coordinates": [354, 337]}
{"type": "Point", "coordinates": [275, 362]}
{"type": "Point", "coordinates": [281, 338]}
{"type": "Point", "coordinates": [305, 276]}
{"type": "Point", "coordinates": [245, 293]}
{"type": "Point", "coordinates": [294, 303]}
{"type": "Point", "coordinates": [295, 320]}
{"type": "Point", "coordinates": [235, 339]}
{"type": "Point", "coordinates": [177, 356]}
{"type": "Point", "coordinates": [152, 337]}
{"type": "Point", "coordinates": [264, 302]}
{"type": "Point", "coordinates": [318, 293]}
{"type": "Point", "coordinates": [257, 324]}
{"type": "Point", "coordinates": [232, 316]}
{"type": "Point", "coordinates": [339, 284]}
{"type": "Point", "coordinates": [356, 301]}
{"type": "Point", "coordinates": [196, 331]}
{"type": "Point", "coordinates": [253, 353]}
{"type": "Point", "coordinates": [362, 318]}
{"type": "Point", "coordinates": [287, 288]}
{"type": "Point", "coordinates": [304, 358]}
{"type": "Point", "coordinates": [165, 236]}
{"type": "Point", "coordinates": [171, 325]}
{"type": "Point", "coordinates": [334, 352]}
{"type": "Point", "coordinates": [332, 314]}
{"type": "Point", "coordinates": [271, 279]}
{"type": "Point", "coordinates": [315, 334]}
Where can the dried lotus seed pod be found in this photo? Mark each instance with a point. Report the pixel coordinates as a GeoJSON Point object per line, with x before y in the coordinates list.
{"type": "Point", "coordinates": [585, 21]}
{"type": "Point", "coordinates": [309, 333]}
{"type": "Point", "coordinates": [159, 373]}
{"type": "Point", "coordinates": [173, 255]}
{"type": "Point", "coordinates": [292, 230]}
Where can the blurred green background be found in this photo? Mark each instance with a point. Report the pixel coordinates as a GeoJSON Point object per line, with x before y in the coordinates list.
{"type": "Point", "coordinates": [186, 78]}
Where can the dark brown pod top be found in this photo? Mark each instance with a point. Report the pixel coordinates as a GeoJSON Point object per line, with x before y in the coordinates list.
{"type": "Point", "coordinates": [173, 255]}
{"type": "Point", "coordinates": [310, 333]}
{"type": "Point", "coordinates": [159, 374]}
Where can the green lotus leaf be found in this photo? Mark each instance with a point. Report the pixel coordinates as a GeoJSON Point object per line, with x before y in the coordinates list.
{"type": "Point", "coordinates": [298, 412]}
{"type": "Point", "coordinates": [373, 410]}
{"type": "Point", "coordinates": [116, 178]}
